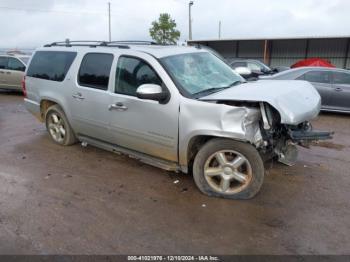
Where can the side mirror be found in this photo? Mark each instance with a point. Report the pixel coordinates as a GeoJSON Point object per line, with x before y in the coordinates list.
{"type": "Point", "coordinates": [243, 71]}
{"type": "Point", "coordinates": [152, 92]}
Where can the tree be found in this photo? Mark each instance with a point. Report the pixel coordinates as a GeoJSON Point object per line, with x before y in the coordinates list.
{"type": "Point", "coordinates": [164, 30]}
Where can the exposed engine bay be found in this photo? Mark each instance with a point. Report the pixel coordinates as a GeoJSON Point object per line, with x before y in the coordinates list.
{"type": "Point", "coordinates": [281, 139]}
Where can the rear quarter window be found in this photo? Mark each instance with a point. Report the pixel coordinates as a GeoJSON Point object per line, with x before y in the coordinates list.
{"type": "Point", "coordinates": [51, 65]}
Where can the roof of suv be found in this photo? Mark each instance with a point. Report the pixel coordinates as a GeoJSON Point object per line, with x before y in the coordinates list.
{"type": "Point", "coordinates": [157, 51]}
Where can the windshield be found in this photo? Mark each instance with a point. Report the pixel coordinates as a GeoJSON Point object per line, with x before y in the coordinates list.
{"type": "Point", "coordinates": [24, 59]}
{"type": "Point", "coordinates": [265, 67]}
{"type": "Point", "coordinates": [199, 72]}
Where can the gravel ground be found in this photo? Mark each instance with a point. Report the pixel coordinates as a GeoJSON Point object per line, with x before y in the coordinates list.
{"type": "Point", "coordinates": [74, 200]}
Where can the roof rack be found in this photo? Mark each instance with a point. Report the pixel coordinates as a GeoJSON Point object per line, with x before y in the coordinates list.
{"type": "Point", "coordinates": [134, 42]}
{"type": "Point", "coordinates": [90, 43]}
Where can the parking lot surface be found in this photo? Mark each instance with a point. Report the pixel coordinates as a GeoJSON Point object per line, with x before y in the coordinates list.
{"type": "Point", "coordinates": [75, 200]}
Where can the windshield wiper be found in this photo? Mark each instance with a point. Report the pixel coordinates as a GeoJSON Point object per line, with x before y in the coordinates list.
{"type": "Point", "coordinates": [210, 91]}
{"type": "Point", "coordinates": [235, 83]}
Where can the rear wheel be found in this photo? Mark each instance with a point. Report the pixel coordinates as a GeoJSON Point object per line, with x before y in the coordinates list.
{"type": "Point", "coordinates": [58, 126]}
{"type": "Point", "coordinates": [229, 169]}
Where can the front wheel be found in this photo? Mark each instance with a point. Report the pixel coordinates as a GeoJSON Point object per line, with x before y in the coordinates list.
{"type": "Point", "coordinates": [229, 169]}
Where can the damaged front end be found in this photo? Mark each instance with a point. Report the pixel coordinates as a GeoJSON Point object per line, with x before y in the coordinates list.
{"type": "Point", "coordinates": [281, 139]}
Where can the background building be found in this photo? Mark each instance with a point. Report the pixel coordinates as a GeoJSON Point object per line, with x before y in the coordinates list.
{"type": "Point", "coordinates": [284, 51]}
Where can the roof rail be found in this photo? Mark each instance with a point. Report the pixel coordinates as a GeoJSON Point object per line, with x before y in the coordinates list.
{"type": "Point", "coordinates": [134, 42]}
{"type": "Point", "coordinates": [90, 43]}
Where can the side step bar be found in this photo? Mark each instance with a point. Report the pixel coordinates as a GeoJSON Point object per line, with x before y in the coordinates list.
{"type": "Point", "coordinates": [153, 161]}
{"type": "Point", "coordinates": [298, 135]}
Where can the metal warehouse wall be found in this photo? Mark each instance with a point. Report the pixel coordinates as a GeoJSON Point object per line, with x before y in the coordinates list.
{"type": "Point", "coordinates": [285, 52]}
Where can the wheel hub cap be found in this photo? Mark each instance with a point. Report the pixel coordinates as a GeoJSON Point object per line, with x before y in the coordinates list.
{"type": "Point", "coordinates": [56, 128]}
{"type": "Point", "coordinates": [227, 172]}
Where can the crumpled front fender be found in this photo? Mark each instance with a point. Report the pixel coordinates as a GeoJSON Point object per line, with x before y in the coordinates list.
{"type": "Point", "coordinates": [198, 118]}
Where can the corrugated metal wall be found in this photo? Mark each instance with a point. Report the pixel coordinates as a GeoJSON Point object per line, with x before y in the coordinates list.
{"type": "Point", "coordinates": [225, 48]}
{"type": "Point", "coordinates": [251, 49]}
{"type": "Point", "coordinates": [286, 52]}
{"type": "Point", "coordinates": [333, 50]}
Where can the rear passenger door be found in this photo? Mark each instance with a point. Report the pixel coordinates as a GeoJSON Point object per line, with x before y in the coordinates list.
{"type": "Point", "coordinates": [90, 98]}
{"type": "Point", "coordinates": [341, 93]}
{"type": "Point", "coordinates": [145, 126]}
{"type": "Point", "coordinates": [321, 80]}
{"type": "Point", "coordinates": [3, 71]}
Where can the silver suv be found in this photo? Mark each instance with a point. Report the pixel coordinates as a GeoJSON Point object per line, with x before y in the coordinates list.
{"type": "Point", "coordinates": [177, 108]}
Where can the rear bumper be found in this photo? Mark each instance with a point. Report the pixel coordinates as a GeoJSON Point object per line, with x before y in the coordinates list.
{"type": "Point", "coordinates": [33, 107]}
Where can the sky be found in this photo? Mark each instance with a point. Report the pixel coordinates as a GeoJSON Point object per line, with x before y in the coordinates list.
{"type": "Point", "coordinates": [31, 23]}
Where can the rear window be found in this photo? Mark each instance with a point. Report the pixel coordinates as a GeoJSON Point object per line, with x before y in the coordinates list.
{"type": "Point", "coordinates": [51, 65]}
{"type": "Point", "coordinates": [94, 70]}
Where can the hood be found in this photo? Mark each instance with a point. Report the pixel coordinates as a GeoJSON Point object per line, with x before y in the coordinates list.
{"type": "Point", "coordinates": [296, 101]}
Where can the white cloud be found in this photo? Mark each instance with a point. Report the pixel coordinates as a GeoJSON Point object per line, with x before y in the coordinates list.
{"type": "Point", "coordinates": [87, 19]}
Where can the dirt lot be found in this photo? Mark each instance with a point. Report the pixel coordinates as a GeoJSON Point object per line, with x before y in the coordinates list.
{"type": "Point", "coordinates": [74, 200]}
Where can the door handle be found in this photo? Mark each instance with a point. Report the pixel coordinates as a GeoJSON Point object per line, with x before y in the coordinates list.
{"type": "Point", "coordinates": [78, 96]}
{"type": "Point", "coordinates": [2, 72]}
{"type": "Point", "coordinates": [338, 89]}
{"type": "Point", "coordinates": [117, 106]}
{"type": "Point", "coordinates": [9, 73]}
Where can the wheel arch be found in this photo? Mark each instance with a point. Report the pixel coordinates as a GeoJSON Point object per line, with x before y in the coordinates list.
{"type": "Point", "coordinates": [46, 103]}
{"type": "Point", "coordinates": [194, 145]}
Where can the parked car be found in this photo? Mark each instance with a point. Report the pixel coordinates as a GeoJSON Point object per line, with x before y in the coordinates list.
{"type": "Point", "coordinates": [12, 69]}
{"type": "Point", "coordinates": [255, 68]}
{"type": "Point", "coordinates": [332, 84]}
{"type": "Point", "coordinates": [177, 108]}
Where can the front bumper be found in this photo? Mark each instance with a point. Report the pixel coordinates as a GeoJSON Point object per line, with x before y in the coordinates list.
{"type": "Point", "coordinates": [308, 136]}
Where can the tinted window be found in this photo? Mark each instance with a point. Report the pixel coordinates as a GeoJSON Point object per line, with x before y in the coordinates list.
{"type": "Point", "coordinates": [51, 65]}
{"type": "Point", "coordinates": [133, 72]}
{"type": "Point", "coordinates": [95, 69]}
{"type": "Point", "coordinates": [15, 64]}
{"type": "Point", "coordinates": [239, 64]}
{"type": "Point", "coordinates": [341, 78]}
{"type": "Point", "coordinates": [318, 77]}
{"type": "Point", "coordinates": [3, 62]}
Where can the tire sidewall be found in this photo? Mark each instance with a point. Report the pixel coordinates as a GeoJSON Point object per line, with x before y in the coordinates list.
{"type": "Point", "coordinates": [247, 150]}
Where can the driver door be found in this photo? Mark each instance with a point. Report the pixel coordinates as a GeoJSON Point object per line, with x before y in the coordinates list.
{"type": "Point", "coordinates": [145, 126]}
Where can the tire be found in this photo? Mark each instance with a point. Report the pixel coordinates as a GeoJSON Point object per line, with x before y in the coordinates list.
{"type": "Point", "coordinates": [240, 177]}
{"type": "Point", "coordinates": [55, 120]}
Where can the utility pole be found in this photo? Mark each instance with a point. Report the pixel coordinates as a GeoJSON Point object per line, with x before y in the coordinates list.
{"type": "Point", "coordinates": [109, 22]}
{"type": "Point", "coordinates": [219, 29]}
{"type": "Point", "coordinates": [190, 4]}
